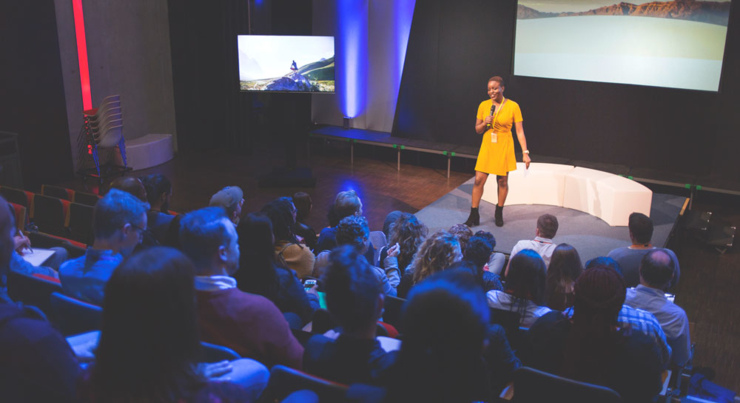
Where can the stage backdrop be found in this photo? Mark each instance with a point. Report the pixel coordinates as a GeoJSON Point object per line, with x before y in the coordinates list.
{"type": "Point", "coordinates": [454, 47]}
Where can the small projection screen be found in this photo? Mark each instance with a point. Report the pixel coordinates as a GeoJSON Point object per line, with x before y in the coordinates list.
{"type": "Point", "coordinates": [675, 44]}
{"type": "Point", "coordinates": [286, 63]}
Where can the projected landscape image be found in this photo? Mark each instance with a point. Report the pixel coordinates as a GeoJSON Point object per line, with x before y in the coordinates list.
{"type": "Point", "coordinates": [286, 63]}
{"type": "Point", "coordinates": [678, 44]}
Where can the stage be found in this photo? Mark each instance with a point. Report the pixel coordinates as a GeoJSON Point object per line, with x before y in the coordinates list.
{"type": "Point", "coordinates": [591, 236]}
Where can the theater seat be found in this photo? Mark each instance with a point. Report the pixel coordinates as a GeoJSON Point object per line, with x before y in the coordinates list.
{"type": "Point", "coordinates": [534, 386]}
{"type": "Point", "coordinates": [216, 353]}
{"type": "Point", "coordinates": [284, 381]}
{"type": "Point", "coordinates": [87, 199]}
{"type": "Point", "coordinates": [81, 223]}
{"type": "Point", "coordinates": [58, 192]}
{"type": "Point", "coordinates": [32, 290]}
{"type": "Point", "coordinates": [73, 316]}
{"type": "Point", "coordinates": [50, 214]}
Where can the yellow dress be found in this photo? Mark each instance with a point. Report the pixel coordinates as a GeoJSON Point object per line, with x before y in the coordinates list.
{"type": "Point", "coordinates": [498, 158]}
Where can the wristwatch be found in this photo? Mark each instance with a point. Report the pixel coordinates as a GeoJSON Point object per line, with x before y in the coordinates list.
{"type": "Point", "coordinates": [526, 151]}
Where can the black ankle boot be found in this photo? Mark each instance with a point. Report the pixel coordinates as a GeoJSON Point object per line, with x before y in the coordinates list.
{"type": "Point", "coordinates": [499, 216]}
{"type": "Point", "coordinates": [473, 218]}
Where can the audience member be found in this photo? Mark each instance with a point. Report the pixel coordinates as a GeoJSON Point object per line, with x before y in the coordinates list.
{"type": "Point", "coordinates": [438, 252]}
{"type": "Point", "coordinates": [289, 251]}
{"type": "Point", "coordinates": [409, 233]}
{"type": "Point", "coordinates": [606, 262]}
{"type": "Point", "coordinates": [249, 324]}
{"type": "Point", "coordinates": [353, 231]}
{"type": "Point", "coordinates": [304, 205]}
{"type": "Point", "coordinates": [231, 199]}
{"type": "Point", "coordinates": [565, 267]}
{"type": "Point", "coordinates": [390, 219]}
{"type": "Point", "coordinates": [19, 265]}
{"type": "Point", "coordinates": [260, 274]}
{"type": "Point", "coordinates": [37, 364]}
{"type": "Point", "coordinates": [118, 223]}
{"type": "Point", "coordinates": [159, 191]}
{"type": "Point", "coordinates": [656, 272]}
{"type": "Point", "coordinates": [172, 239]}
{"type": "Point", "coordinates": [478, 252]}
{"type": "Point", "coordinates": [149, 346]}
{"type": "Point", "coordinates": [547, 227]}
{"type": "Point", "coordinates": [592, 347]}
{"type": "Point", "coordinates": [354, 297]}
{"type": "Point", "coordinates": [497, 260]}
{"type": "Point", "coordinates": [130, 185]}
{"type": "Point", "coordinates": [463, 234]}
{"type": "Point", "coordinates": [525, 288]}
{"type": "Point", "coordinates": [346, 203]}
{"type": "Point", "coordinates": [629, 257]}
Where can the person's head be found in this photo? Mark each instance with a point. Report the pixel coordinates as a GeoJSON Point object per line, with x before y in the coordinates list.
{"type": "Point", "coordinates": [463, 234]}
{"type": "Point", "coordinates": [599, 296]}
{"type": "Point", "coordinates": [488, 236]}
{"type": "Point", "coordinates": [149, 341]}
{"type": "Point", "coordinates": [437, 253]}
{"type": "Point", "coordinates": [445, 323]}
{"type": "Point", "coordinates": [353, 230]}
{"type": "Point", "coordinates": [209, 239]}
{"type": "Point", "coordinates": [281, 213]}
{"type": "Point", "coordinates": [525, 279]}
{"type": "Point", "coordinates": [119, 220]}
{"type": "Point", "coordinates": [303, 205]}
{"type": "Point", "coordinates": [390, 219]}
{"type": "Point", "coordinates": [256, 272]}
{"type": "Point", "coordinates": [353, 292]}
{"type": "Point", "coordinates": [604, 261]}
{"type": "Point", "coordinates": [468, 267]}
{"type": "Point", "coordinates": [231, 199]}
{"type": "Point", "coordinates": [565, 267]}
{"type": "Point", "coordinates": [409, 233]}
{"type": "Point", "coordinates": [641, 228]}
{"type": "Point", "coordinates": [130, 185]}
{"type": "Point", "coordinates": [547, 226]}
{"type": "Point", "coordinates": [347, 203]}
{"type": "Point", "coordinates": [495, 87]}
{"type": "Point", "coordinates": [7, 232]}
{"type": "Point", "coordinates": [656, 269]}
{"type": "Point", "coordinates": [478, 251]}
{"type": "Point", "coordinates": [158, 191]}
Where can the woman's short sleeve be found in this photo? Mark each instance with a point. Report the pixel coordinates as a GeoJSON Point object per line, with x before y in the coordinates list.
{"type": "Point", "coordinates": [517, 113]}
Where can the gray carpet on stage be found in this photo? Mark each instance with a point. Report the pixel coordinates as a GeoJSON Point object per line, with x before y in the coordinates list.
{"type": "Point", "coordinates": [591, 236]}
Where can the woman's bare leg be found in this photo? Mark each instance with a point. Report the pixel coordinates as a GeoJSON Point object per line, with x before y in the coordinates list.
{"type": "Point", "coordinates": [503, 188]}
{"type": "Point", "coordinates": [480, 181]}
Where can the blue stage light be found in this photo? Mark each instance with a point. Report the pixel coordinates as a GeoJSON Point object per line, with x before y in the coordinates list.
{"type": "Point", "coordinates": [351, 49]}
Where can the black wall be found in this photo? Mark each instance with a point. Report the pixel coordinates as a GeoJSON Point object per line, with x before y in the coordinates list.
{"type": "Point", "coordinates": [32, 101]}
{"type": "Point", "coordinates": [454, 47]}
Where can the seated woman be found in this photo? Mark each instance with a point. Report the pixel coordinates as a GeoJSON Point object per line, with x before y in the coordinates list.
{"type": "Point", "coordinates": [304, 205]}
{"type": "Point", "coordinates": [438, 252]}
{"type": "Point", "coordinates": [478, 252]}
{"type": "Point", "coordinates": [288, 249]}
{"type": "Point", "coordinates": [525, 288]}
{"type": "Point", "coordinates": [565, 267]}
{"type": "Point", "coordinates": [409, 233]}
{"type": "Point", "coordinates": [149, 347]}
{"type": "Point", "coordinates": [260, 274]}
{"type": "Point", "coordinates": [591, 347]}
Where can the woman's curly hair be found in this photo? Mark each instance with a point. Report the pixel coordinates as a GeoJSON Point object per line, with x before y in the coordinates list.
{"type": "Point", "coordinates": [409, 233]}
{"type": "Point", "coordinates": [437, 253]}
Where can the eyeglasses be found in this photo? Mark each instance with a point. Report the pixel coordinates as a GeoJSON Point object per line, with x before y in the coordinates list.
{"type": "Point", "coordinates": [139, 230]}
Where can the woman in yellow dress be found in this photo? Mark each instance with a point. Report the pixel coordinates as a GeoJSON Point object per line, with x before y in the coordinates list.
{"type": "Point", "coordinates": [494, 121]}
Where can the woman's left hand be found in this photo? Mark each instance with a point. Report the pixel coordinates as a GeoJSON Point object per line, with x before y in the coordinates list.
{"type": "Point", "coordinates": [216, 369]}
{"type": "Point", "coordinates": [527, 160]}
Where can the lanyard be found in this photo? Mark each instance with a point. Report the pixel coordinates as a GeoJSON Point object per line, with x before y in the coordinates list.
{"type": "Point", "coordinates": [495, 114]}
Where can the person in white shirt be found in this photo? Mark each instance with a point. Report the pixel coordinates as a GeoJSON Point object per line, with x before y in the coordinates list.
{"type": "Point", "coordinates": [524, 291]}
{"type": "Point", "coordinates": [547, 227]}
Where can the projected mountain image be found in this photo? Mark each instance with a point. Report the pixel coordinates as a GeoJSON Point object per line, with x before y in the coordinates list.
{"type": "Point", "coordinates": [315, 76]}
{"type": "Point", "coordinates": [678, 44]}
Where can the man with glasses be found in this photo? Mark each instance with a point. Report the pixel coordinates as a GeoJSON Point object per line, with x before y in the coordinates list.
{"type": "Point", "coordinates": [119, 224]}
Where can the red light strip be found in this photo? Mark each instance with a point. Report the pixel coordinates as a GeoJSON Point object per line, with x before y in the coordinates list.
{"type": "Point", "coordinates": [82, 54]}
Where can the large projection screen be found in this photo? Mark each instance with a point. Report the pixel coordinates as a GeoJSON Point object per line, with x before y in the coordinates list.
{"type": "Point", "coordinates": [676, 44]}
{"type": "Point", "coordinates": [274, 63]}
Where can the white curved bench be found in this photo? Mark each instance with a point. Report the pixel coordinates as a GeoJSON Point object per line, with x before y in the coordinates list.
{"type": "Point", "coordinates": [607, 196]}
{"type": "Point", "coordinates": [150, 150]}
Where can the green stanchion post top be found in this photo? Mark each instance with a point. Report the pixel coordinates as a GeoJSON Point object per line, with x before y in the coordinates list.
{"type": "Point", "coordinates": [453, 153]}
{"type": "Point", "coordinates": [444, 152]}
{"type": "Point", "coordinates": [403, 147]}
{"type": "Point", "coordinates": [349, 140]}
{"type": "Point", "coordinates": [630, 177]}
{"type": "Point", "coordinates": [395, 146]}
{"type": "Point", "coordinates": [687, 186]}
{"type": "Point", "coordinates": [698, 187]}
{"type": "Point", "coordinates": [354, 140]}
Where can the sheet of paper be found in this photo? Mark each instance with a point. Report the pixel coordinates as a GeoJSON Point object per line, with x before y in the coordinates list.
{"type": "Point", "coordinates": [37, 256]}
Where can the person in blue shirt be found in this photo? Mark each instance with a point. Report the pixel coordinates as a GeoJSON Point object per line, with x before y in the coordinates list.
{"type": "Point", "coordinates": [119, 222]}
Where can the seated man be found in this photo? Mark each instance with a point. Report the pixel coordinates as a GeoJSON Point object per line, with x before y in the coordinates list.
{"type": "Point", "coordinates": [353, 295]}
{"type": "Point", "coordinates": [346, 204]}
{"type": "Point", "coordinates": [547, 227]}
{"type": "Point", "coordinates": [656, 273]}
{"type": "Point", "coordinates": [118, 223]}
{"type": "Point", "coordinates": [231, 199]}
{"type": "Point", "coordinates": [353, 230]}
{"type": "Point", "coordinates": [159, 191]}
{"type": "Point", "coordinates": [629, 257]}
{"type": "Point", "coordinates": [249, 324]}
{"type": "Point", "coordinates": [130, 185]}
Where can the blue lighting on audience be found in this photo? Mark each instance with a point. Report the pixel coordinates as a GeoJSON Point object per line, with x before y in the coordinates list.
{"type": "Point", "coordinates": [351, 56]}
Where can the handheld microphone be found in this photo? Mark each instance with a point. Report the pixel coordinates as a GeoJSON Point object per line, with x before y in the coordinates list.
{"type": "Point", "coordinates": [493, 109]}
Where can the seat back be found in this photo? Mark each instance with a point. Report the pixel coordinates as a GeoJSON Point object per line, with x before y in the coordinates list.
{"type": "Point", "coordinates": [47, 241]}
{"type": "Point", "coordinates": [87, 199]}
{"type": "Point", "coordinates": [21, 215]}
{"type": "Point", "coordinates": [216, 353]}
{"type": "Point", "coordinates": [284, 381]}
{"type": "Point", "coordinates": [531, 385]}
{"type": "Point", "coordinates": [393, 308]}
{"type": "Point", "coordinates": [58, 192]}
{"type": "Point", "coordinates": [32, 290]}
{"type": "Point", "coordinates": [509, 320]}
{"type": "Point", "coordinates": [17, 196]}
{"type": "Point", "coordinates": [73, 316]}
{"type": "Point", "coordinates": [81, 223]}
{"type": "Point", "coordinates": [49, 215]}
